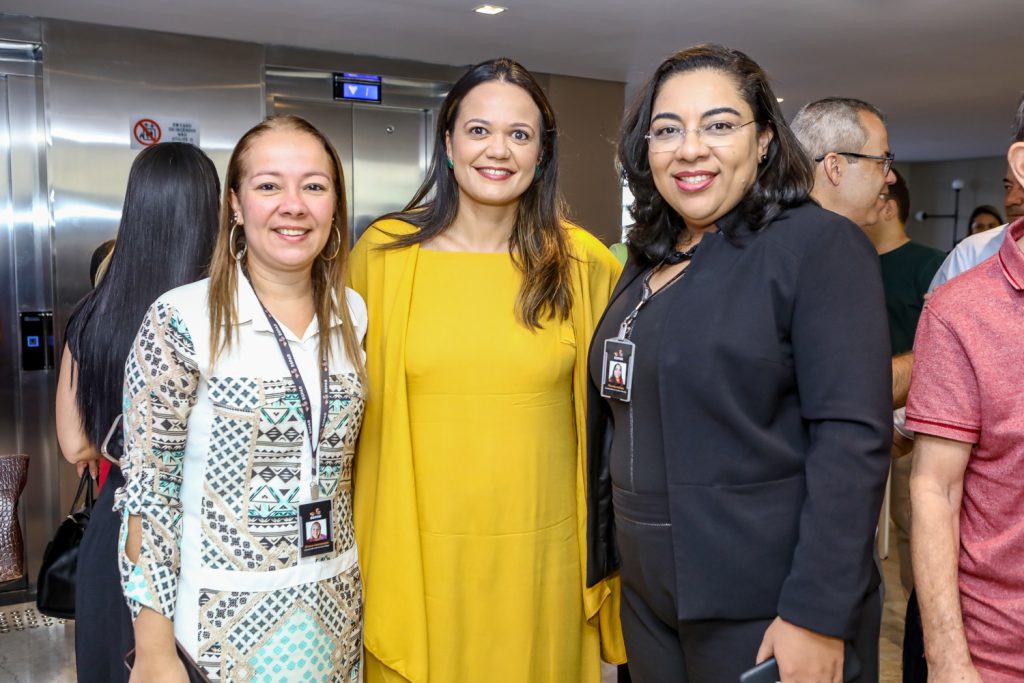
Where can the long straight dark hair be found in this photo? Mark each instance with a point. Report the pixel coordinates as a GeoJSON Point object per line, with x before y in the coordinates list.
{"type": "Point", "coordinates": [165, 240]}
{"type": "Point", "coordinates": [539, 244]}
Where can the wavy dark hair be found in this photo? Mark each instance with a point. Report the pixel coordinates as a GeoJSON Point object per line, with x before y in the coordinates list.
{"type": "Point", "coordinates": [539, 244]}
{"type": "Point", "coordinates": [783, 180]}
{"type": "Point", "coordinates": [165, 240]}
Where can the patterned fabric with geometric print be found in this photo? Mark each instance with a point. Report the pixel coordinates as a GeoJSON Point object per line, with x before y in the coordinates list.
{"type": "Point", "coordinates": [234, 432]}
{"type": "Point", "coordinates": [161, 378]}
{"type": "Point", "coordinates": [265, 636]}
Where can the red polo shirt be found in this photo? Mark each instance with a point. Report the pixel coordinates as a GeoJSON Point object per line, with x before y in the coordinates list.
{"type": "Point", "coordinates": [968, 385]}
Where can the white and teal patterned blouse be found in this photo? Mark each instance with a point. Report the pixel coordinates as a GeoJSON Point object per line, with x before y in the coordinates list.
{"type": "Point", "coordinates": [216, 463]}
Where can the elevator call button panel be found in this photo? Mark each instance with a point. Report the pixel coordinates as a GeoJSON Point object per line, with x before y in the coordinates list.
{"type": "Point", "coordinates": [36, 340]}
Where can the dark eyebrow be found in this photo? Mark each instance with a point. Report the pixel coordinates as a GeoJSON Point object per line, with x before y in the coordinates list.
{"type": "Point", "coordinates": [666, 115]}
{"type": "Point", "coordinates": [275, 174]}
{"type": "Point", "coordinates": [707, 114]}
{"type": "Point", "coordinates": [488, 123]}
{"type": "Point", "coordinates": [719, 110]}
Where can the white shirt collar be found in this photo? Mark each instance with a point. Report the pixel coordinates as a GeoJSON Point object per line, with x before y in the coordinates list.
{"type": "Point", "coordinates": [249, 309]}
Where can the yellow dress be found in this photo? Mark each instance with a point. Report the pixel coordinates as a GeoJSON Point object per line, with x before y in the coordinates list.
{"type": "Point", "coordinates": [469, 499]}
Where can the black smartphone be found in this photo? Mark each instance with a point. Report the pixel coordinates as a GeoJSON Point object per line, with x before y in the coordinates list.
{"type": "Point", "coordinates": [768, 670]}
{"type": "Point", "coordinates": [765, 672]}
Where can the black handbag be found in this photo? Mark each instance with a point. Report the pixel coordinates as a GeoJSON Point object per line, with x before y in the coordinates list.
{"type": "Point", "coordinates": [55, 589]}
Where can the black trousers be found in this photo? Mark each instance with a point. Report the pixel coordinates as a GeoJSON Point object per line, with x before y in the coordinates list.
{"type": "Point", "coordinates": [662, 648]}
{"type": "Point", "coordinates": [915, 668]}
{"type": "Point", "coordinates": [103, 624]}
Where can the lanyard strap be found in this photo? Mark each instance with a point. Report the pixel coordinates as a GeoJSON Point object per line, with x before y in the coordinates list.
{"type": "Point", "coordinates": [626, 328]}
{"type": "Point", "coordinates": [304, 402]}
{"type": "Point", "coordinates": [675, 258]}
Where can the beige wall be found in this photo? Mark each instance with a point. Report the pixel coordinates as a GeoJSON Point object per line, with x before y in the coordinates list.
{"type": "Point", "coordinates": [930, 184]}
{"type": "Point", "coordinates": [589, 112]}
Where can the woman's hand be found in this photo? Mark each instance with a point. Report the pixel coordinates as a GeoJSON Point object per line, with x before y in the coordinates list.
{"type": "Point", "coordinates": [803, 656]}
{"type": "Point", "coordinates": [92, 463]}
{"type": "Point", "coordinates": [158, 669]}
{"type": "Point", "coordinates": [156, 657]}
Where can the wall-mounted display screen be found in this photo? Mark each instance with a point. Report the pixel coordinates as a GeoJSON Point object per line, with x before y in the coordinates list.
{"type": "Point", "coordinates": [358, 87]}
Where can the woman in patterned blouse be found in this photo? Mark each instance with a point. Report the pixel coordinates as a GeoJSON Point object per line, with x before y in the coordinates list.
{"type": "Point", "coordinates": [243, 401]}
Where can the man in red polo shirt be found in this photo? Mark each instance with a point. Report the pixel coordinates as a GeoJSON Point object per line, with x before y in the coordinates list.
{"type": "Point", "coordinates": [967, 487]}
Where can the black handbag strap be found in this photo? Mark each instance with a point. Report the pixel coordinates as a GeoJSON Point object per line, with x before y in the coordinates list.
{"type": "Point", "coordinates": [86, 484]}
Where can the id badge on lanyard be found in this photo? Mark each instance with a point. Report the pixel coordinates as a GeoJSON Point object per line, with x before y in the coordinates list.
{"type": "Point", "coordinates": [617, 368]}
{"type": "Point", "coordinates": [619, 357]}
{"type": "Point", "coordinates": [619, 352]}
{"type": "Point", "coordinates": [315, 518]}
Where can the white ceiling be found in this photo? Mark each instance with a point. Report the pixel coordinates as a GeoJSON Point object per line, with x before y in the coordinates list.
{"type": "Point", "coordinates": [948, 72]}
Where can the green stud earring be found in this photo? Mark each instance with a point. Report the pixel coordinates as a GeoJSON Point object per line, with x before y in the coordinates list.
{"type": "Point", "coordinates": [450, 164]}
{"type": "Point", "coordinates": [536, 171]}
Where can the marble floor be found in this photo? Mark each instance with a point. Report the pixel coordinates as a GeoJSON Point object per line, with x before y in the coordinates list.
{"type": "Point", "coordinates": [37, 649]}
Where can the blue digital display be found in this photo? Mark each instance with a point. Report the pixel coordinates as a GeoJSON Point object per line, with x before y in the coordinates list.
{"type": "Point", "coordinates": [32, 341]}
{"type": "Point", "coordinates": [358, 87]}
{"type": "Point", "coordinates": [360, 91]}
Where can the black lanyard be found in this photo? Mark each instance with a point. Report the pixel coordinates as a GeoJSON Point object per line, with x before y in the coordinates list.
{"type": "Point", "coordinates": [304, 402]}
{"type": "Point", "coordinates": [675, 258]}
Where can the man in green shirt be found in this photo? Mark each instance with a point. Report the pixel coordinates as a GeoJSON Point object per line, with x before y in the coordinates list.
{"type": "Point", "coordinates": [907, 267]}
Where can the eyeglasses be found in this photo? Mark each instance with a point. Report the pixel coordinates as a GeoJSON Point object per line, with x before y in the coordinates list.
{"type": "Point", "coordinates": [886, 159]}
{"type": "Point", "coordinates": [668, 137]}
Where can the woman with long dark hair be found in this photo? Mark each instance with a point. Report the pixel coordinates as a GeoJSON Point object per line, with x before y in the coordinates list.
{"type": "Point", "coordinates": [469, 494]}
{"type": "Point", "coordinates": [738, 479]}
{"type": "Point", "coordinates": [165, 240]}
{"type": "Point", "coordinates": [243, 400]}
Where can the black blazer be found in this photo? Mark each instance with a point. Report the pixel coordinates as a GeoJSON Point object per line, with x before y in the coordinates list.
{"type": "Point", "coordinates": [778, 392]}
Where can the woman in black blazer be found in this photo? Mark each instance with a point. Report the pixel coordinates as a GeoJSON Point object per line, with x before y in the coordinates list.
{"type": "Point", "coordinates": [739, 475]}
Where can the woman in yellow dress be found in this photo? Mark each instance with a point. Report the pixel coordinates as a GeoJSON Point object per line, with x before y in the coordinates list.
{"type": "Point", "coordinates": [470, 492]}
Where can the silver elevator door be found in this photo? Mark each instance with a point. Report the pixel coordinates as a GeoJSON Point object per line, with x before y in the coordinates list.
{"type": "Point", "coordinates": [27, 388]}
{"type": "Point", "coordinates": [384, 151]}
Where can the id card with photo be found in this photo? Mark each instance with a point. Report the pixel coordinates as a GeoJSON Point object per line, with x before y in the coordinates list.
{"type": "Point", "coordinates": [315, 528]}
{"type": "Point", "coordinates": [617, 369]}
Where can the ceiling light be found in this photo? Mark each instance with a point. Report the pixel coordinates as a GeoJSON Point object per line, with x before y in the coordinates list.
{"type": "Point", "coordinates": [780, 100]}
{"type": "Point", "coordinates": [489, 9]}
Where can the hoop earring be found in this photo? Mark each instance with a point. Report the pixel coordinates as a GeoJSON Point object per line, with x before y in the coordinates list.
{"type": "Point", "coordinates": [240, 254]}
{"type": "Point", "coordinates": [338, 249]}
